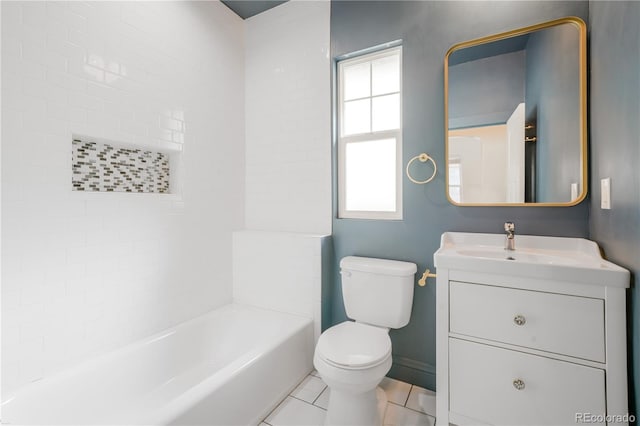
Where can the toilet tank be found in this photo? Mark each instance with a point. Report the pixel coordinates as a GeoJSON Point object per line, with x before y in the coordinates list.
{"type": "Point", "coordinates": [377, 291]}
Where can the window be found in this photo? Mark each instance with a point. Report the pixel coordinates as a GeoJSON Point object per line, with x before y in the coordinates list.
{"type": "Point", "coordinates": [455, 180]}
{"type": "Point", "coordinates": [370, 136]}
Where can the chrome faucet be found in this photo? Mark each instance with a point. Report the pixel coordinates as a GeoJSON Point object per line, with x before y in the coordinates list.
{"type": "Point", "coordinates": [510, 241]}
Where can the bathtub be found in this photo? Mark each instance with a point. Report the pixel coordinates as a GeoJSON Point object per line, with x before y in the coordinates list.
{"type": "Point", "coordinates": [228, 367]}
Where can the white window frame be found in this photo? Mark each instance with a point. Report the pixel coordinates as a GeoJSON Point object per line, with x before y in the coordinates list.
{"type": "Point", "coordinates": [342, 141]}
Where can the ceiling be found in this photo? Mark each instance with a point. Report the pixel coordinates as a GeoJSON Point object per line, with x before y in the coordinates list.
{"type": "Point", "coordinates": [248, 8]}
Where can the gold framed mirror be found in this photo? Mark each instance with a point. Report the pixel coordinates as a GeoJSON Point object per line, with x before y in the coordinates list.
{"type": "Point", "coordinates": [516, 117]}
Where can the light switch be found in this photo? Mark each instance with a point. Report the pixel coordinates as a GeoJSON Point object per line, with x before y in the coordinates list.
{"type": "Point", "coordinates": [605, 193]}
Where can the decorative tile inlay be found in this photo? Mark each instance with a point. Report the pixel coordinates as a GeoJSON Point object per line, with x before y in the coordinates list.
{"type": "Point", "coordinates": [106, 168]}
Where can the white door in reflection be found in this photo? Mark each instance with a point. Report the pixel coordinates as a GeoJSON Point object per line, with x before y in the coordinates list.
{"type": "Point", "coordinates": [515, 156]}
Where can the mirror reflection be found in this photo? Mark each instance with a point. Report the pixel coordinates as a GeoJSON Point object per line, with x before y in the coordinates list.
{"type": "Point", "coordinates": [516, 117]}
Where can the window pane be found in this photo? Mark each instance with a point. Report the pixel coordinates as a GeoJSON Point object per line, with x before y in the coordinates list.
{"type": "Point", "coordinates": [370, 175]}
{"type": "Point", "coordinates": [356, 81]}
{"type": "Point", "coordinates": [454, 193]}
{"type": "Point", "coordinates": [385, 75]}
{"type": "Point", "coordinates": [386, 112]}
{"type": "Point", "coordinates": [454, 174]}
{"type": "Point", "coordinates": [357, 117]}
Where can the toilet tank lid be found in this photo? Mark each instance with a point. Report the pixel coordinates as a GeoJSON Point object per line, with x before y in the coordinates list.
{"type": "Point", "coordinates": [378, 266]}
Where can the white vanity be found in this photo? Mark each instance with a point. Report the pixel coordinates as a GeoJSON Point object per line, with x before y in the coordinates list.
{"type": "Point", "coordinates": [533, 336]}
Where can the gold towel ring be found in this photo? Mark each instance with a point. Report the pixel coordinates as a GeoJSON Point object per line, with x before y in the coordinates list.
{"type": "Point", "coordinates": [423, 159]}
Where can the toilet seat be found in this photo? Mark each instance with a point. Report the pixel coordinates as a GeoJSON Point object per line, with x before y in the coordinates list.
{"type": "Point", "coordinates": [354, 346]}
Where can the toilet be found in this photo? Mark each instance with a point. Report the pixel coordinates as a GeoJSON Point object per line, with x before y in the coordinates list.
{"type": "Point", "coordinates": [354, 356]}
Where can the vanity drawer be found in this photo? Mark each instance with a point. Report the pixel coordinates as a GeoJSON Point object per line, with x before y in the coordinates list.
{"type": "Point", "coordinates": [504, 387]}
{"type": "Point", "coordinates": [562, 324]}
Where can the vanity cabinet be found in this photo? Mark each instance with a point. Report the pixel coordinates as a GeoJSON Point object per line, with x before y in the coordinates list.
{"type": "Point", "coordinates": [524, 343]}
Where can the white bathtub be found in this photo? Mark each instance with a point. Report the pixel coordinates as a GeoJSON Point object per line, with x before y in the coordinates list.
{"type": "Point", "coordinates": [228, 367]}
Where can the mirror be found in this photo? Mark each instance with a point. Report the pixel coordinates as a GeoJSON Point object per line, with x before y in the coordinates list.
{"type": "Point", "coordinates": [515, 114]}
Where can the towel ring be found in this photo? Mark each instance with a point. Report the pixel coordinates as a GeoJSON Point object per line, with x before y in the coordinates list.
{"type": "Point", "coordinates": [423, 159]}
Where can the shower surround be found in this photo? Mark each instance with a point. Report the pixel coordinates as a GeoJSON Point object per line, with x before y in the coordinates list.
{"type": "Point", "coordinates": [86, 272]}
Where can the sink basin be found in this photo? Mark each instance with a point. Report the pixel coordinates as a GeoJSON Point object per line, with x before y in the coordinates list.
{"type": "Point", "coordinates": [524, 255]}
{"type": "Point", "coordinates": [564, 259]}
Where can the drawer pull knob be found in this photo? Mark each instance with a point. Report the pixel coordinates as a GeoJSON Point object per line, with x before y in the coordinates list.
{"type": "Point", "coordinates": [519, 320]}
{"type": "Point", "coordinates": [518, 384]}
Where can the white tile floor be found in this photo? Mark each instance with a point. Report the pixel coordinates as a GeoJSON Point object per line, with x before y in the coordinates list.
{"type": "Point", "coordinates": [408, 405]}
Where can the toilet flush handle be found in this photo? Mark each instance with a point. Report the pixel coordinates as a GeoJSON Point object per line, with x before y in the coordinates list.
{"type": "Point", "coordinates": [427, 274]}
{"type": "Point", "coordinates": [346, 273]}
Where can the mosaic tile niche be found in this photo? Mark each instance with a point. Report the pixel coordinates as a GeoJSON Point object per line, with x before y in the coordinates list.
{"type": "Point", "coordinates": [106, 168]}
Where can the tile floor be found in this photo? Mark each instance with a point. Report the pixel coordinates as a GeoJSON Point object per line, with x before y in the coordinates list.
{"type": "Point", "coordinates": [408, 405]}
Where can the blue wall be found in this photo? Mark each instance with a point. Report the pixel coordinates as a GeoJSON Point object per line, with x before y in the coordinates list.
{"type": "Point", "coordinates": [615, 150]}
{"type": "Point", "coordinates": [486, 91]}
{"type": "Point", "coordinates": [552, 87]}
{"type": "Point", "coordinates": [428, 30]}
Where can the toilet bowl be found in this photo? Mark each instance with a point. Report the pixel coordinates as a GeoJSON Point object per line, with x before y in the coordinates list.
{"type": "Point", "coordinates": [354, 356]}
{"type": "Point", "coordinates": [352, 359]}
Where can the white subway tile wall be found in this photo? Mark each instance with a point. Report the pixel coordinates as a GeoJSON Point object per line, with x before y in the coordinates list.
{"type": "Point", "coordinates": [288, 113]}
{"type": "Point", "coordinates": [83, 273]}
